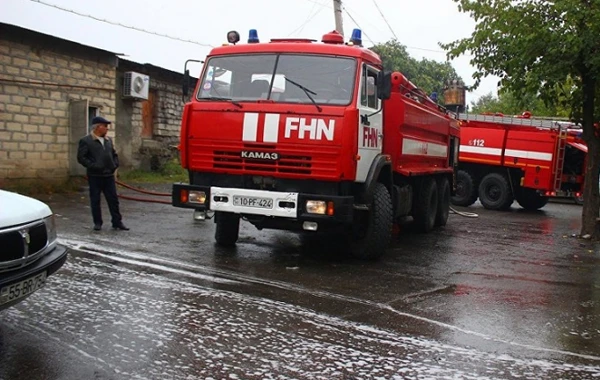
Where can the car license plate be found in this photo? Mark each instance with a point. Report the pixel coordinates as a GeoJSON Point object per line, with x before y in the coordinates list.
{"type": "Point", "coordinates": [22, 289]}
{"type": "Point", "coordinates": [252, 202]}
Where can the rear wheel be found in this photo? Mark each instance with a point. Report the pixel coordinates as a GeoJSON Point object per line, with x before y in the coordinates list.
{"type": "Point", "coordinates": [228, 228]}
{"type": "Point", "coordinates": [373, 230]}
{"type": "Point", "coordinates": [426, 205]}
{"type": "Point", "coordinates": [466, 189]}
{"type": "Point", "coordinates": [530, 200]}
{"type": "Point", "coordinates": [495, 192]}
{"type": "Point", "coordinates": [443, 206]}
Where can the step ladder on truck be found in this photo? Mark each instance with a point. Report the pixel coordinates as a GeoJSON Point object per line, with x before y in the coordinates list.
{"type": "Point", "coordinates": [507, 158]}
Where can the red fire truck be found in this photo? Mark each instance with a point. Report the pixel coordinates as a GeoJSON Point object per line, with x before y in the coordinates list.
{"type": "Point", "coordinates": [506, 158]}
{"type": "Point", "coordinates": [304, 136]}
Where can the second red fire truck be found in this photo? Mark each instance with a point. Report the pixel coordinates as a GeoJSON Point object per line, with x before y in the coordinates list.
{"type": "Point", "coordinates": [506, 158]}
{"type": "Point", "coordinates": [296, 135]}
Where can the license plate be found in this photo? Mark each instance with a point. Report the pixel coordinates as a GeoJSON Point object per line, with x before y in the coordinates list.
{"type": "Point", "coordinates": [22, 289]}
{"type": "Point", "coordinates": [252, 202]}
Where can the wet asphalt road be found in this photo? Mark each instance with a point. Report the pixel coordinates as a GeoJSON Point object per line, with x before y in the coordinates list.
{"type": "Point", "coordinates": [501, 296]}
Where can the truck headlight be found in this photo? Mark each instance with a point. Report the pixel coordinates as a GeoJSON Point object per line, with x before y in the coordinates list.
{"type": "Point", "coordinates": [196, 196]}
{"type": "Point", "coordinates": [316, 207]}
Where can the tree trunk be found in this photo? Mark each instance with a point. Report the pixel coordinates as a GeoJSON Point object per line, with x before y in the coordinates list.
{"type": "Point", "coordinates": [591, 194]}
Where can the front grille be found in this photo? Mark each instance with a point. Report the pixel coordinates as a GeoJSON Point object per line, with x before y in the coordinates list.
{"type": "Point", "coordinates": [39, 238]}
{"type": "Point", "coordinates": [14, 244]}
{"type": "Point", "coordinates": [289, 164]}
{"type": "Point", "coordinates": [13, 247]}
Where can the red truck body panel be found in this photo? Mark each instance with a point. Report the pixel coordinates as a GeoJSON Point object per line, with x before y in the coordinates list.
{"type": "Point", "coordinates": [308, 143]}
{"type": "Point", "coordinates": [417, 137]}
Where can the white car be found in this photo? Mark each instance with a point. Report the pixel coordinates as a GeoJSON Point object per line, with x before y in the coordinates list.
{"type": "Point", "coordinates": [29, 251]}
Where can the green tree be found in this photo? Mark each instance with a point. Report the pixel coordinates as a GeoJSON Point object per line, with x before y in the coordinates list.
{"type": "Point", "coordinates": [508, 103]}
{"type": "Point", "coordinates": [549, 48]}
{"type": "Point", "coordinates": [487, 103]}
{"type": "Point", "coordinates": [429, 75]}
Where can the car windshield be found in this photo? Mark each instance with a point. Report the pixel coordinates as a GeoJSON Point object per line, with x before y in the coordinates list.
{"type": "Point", "coordinates": [290, 78]}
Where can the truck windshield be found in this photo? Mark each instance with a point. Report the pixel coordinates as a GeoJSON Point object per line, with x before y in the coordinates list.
{"type": "Point", "coordinates": [328, 80]}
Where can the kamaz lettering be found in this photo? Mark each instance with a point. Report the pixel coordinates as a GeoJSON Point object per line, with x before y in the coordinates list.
{"type": "Point", "coordinates": [311, 129]}
{"type": "Point", "coordinates": [272, 156]}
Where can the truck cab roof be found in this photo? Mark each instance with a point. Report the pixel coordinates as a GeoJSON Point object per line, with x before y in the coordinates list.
{"type": "Point", "coordinates": [298, 46]}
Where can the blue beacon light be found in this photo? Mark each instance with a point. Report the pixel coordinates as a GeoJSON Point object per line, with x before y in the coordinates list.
{"type": "Point", "coordinates": [356, 38]}
{"type": "Point", "coordinates": [253, 37]}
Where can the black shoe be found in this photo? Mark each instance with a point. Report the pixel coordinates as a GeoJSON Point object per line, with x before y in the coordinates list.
{"type": "Point", "coordinates": [97, 227]}
{"type": "Point", "coordinates": [121, 227]}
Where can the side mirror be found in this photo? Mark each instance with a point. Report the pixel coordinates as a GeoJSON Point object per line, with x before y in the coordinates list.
{"type": "Point", "coordinates": [384, 85]}
{"type": "Point", "coordinates": [186, 79]}
{"type": "Point", "coordinates": [186, 84]}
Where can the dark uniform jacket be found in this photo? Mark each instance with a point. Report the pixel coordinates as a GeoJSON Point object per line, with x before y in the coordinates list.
{"type": "Point", "coordinates": [99, 160]}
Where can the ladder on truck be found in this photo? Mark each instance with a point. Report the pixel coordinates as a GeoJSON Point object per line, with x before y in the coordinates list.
{"type": "Point", "coordinates": [561, 146]}
{"type": "Point", "coordinates": [511, 120]}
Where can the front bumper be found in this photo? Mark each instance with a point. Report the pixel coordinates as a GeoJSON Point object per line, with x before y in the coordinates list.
{"type": "Point", "coordinates": [287, 205]}
{"type": "Point", "coordinates": [49, 263]}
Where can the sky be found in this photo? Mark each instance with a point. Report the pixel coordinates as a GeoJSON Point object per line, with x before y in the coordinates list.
{"type": "Point", "coordinates": [419, 25]}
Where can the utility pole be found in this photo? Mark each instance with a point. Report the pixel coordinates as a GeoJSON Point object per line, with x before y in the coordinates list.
{"type": "Point", "coordinates": [337, 11]}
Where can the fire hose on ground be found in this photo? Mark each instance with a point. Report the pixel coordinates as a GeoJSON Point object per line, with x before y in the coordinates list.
{"type": "Point", "coordinates": [139, 199]}
{"type": "Point", "coordinates": [466, 214]}
{"type": "Point", "coordinates": [132, 198]}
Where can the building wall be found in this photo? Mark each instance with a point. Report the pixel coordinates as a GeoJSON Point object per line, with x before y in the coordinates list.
{"type": "Point", "coordinates": [36, 131]}
{"type": "Point", "coordinates": [160, 115]}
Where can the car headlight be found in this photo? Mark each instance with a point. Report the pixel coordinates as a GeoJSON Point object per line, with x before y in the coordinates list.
{"type": "Point", "coordinates": [50, 223]}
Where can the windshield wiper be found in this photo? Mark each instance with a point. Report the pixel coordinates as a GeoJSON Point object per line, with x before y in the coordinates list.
{"type": "Point", "coordinates": [222, 98]}
{"type": "Point", "coordinates": [307, 92]}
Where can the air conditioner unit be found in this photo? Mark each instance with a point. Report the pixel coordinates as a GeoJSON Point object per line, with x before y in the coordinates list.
{"type": "Point", "coordinates": [136, 85]}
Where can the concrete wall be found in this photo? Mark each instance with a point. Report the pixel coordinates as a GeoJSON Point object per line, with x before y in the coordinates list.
{"type": "Point", "coordinates": [40, 80]}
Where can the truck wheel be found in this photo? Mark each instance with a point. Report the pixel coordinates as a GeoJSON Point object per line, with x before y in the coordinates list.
{"type": "Point", "coordinates": [495, 192]}
{"type": "Point", "coordinates": [228, 228]}
{"type": "Point", "coordinates": [530, 200]}
{"type": "Point", "coordinates": [373, 232]}
{"type": "Point", "coordinates": [426, 205]}
{"type": "Point", "coordinates": [466, 189]}
{"type": "Point", "coordinates": [443, 206]}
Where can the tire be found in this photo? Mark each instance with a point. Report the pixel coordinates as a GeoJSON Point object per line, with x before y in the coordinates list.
{"type": "Point", "coordinates": [578, 200]}
{"type": "Point", "coordinates": [372, 235]}
{"type": "Point", "coordinates": [443, 206]}
{"type": "Point", "coordinates": [530, 200]}
{"type": "Point", "coordinates": [495, 192]}
{"type": "Point", "coordinates": [228, 228]}
{"type": "Point", "coordinates": [466, 189]}
{"type": "Point", "coordinates": [426, 205]}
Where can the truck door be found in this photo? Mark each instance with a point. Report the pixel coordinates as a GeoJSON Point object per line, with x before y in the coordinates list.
{"type": "Point", "coordinates": [370, 122]}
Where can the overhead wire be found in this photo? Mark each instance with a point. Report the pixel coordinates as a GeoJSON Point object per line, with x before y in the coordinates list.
{"type": "Point", "coordinates": [385, 19]}
{"type": "Point", "coordinates": [120, 24]}
{"type": "Point", "coordinates": [359, 27]}
{"type": "Point", "coordinates": [345, 9]}
{"type": "Point", "coordinates": [309, 18]}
